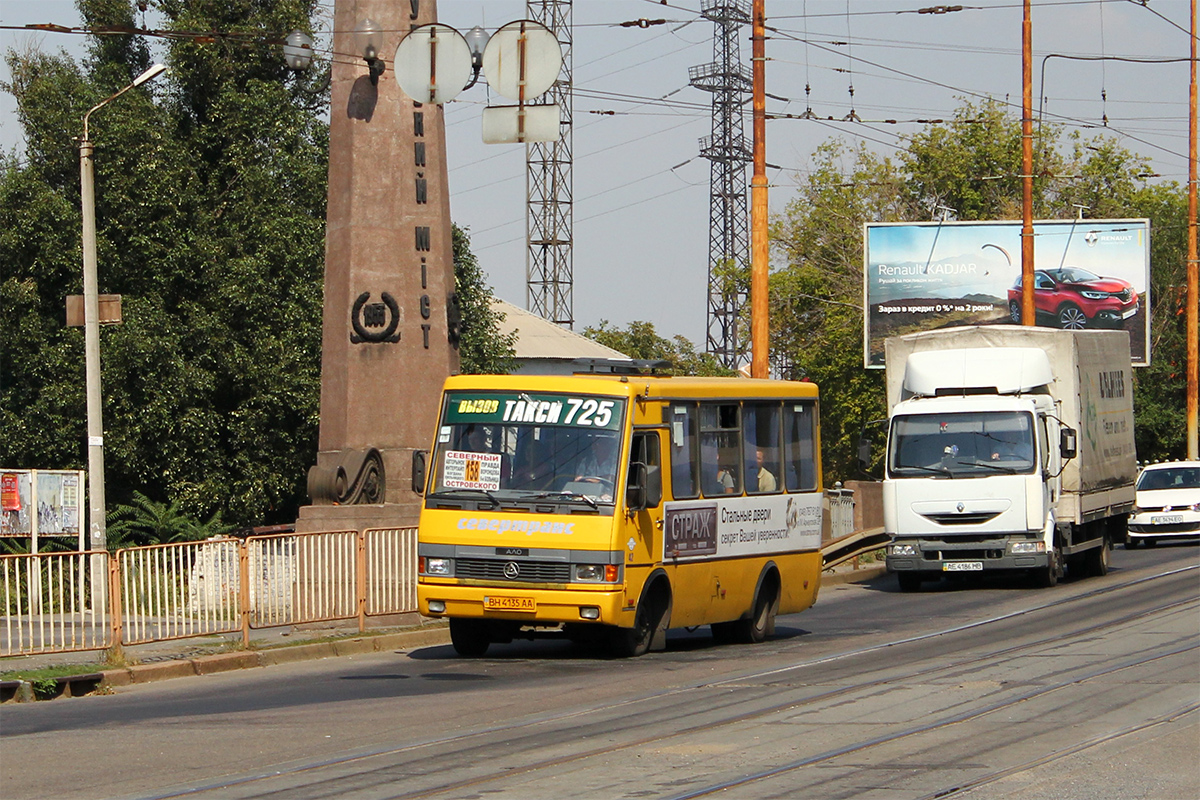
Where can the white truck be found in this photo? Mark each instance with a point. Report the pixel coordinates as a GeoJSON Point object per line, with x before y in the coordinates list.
{"type": "Point", "coordinates": [1009, 448]}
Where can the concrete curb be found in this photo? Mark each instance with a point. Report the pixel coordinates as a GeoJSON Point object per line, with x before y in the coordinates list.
{"type": "Point", "coordinates": [77, 686]}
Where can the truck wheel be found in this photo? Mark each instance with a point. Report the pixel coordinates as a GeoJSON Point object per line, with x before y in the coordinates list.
{"type": "Point", "coordinates": [1131, 543]}
{"type": "Point", "coordinates": [1071, 318]}
{"type": "Point", "coordinates": [909, 581]}
{"type": "Point", "coordinates": [1047, 577]}
{"type": "Point", "coordinates": [469, 637]}
{"type": "Point", "coordinates": [1096, 560]}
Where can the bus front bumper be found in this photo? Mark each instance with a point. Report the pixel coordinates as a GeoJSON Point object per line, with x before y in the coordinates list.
{"type": "Point", "coordinates": [524, 605]}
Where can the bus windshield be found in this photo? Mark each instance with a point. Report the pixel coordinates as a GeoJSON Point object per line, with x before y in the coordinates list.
{"type": "Point", "coordinates": [956, 445]}
{"type": "Point", "coordinates": [528, 446]}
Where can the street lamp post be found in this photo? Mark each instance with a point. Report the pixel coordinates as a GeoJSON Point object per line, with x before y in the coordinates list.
{"type": "Point", "coordinates": [91, 327]}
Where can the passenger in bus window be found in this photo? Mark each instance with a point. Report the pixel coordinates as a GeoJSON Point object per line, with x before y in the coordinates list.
{"type": "Point", "coordinates": [725, 479]}
{"type": "Point", "coordinates": [766, 478]}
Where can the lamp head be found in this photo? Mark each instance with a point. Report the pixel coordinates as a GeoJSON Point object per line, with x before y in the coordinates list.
{"type": "Point", "coordinates": [150, 74]}
{"type": "Point", "coordinates": [368, 40]}
{"type": "Point", "coordinates": [297, 51]}
{"type": "Point", "coordinates": [477, 39]}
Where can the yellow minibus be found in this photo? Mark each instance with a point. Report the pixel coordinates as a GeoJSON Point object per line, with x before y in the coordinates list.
{"type": "Point", "coordinates": [615, 506]}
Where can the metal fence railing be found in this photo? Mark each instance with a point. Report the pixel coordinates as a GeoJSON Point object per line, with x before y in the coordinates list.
{"type": "Point", "coordinates": [841, 511]}
{"type": "Point", "coordinates": [55, 602]}
{"type": "Point", "coordinates": [58, 602]}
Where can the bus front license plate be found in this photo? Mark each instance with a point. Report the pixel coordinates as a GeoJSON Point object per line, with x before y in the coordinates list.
{"type": "Point", "coordinates": [962, 566]}
{"type": "Point", "coordinates": [509, 604]}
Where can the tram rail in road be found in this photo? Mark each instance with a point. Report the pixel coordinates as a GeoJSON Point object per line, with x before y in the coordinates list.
{"type": "Point", "coordinates": [944, 711]}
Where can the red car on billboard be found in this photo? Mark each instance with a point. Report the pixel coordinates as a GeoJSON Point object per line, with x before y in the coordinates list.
{"type": "Point", "coordinates": [1074, 298]}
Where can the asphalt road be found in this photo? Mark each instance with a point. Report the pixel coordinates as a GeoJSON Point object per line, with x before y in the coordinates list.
{"type": "Point", "coordinates": [1088, 690]}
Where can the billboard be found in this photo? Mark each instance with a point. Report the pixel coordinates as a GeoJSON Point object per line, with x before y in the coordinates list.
{"type": "Point", "coordinates": [918, 276]}
{"type": "Point", "coordinates": [41, 502]}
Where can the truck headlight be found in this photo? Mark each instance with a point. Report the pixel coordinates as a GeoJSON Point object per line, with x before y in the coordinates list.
{"type": "Point", "coordinates": [902, 550]}
{"type": "Point", "coordinates": [439, 566]}
{"type": "Point", "coordinates": [1027, 547]}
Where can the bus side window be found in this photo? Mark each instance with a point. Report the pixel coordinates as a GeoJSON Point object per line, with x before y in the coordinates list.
{"type": "Point", "coordinates": [684, 463]}
{"type": "Point", "coordinates": [720, 449]}
{"type": "Point", "coordinates": [760, 446]}
{"type": "Point", "coordinates": [800, 466]}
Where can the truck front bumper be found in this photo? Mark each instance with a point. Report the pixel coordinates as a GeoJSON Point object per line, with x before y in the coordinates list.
{"type": "Point", "coordinates": [938, 556]}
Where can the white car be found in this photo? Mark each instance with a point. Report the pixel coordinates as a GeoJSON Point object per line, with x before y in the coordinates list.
{"type": "Point", "coordinates": [1167, 504]}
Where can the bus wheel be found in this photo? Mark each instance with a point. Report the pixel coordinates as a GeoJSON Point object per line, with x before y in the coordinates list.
{"type": "Point", "coordinates": [469, 637]}
{"type": "Point", "coordinates": [651, 615]}
{"type": "Point", "coordinates": [761, 623]}
{"type": "Point", "coordinates": [723, 632]}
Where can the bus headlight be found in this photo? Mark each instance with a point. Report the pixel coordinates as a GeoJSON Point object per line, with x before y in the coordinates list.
{"type": "Point", "coordinates": [439, 566]}
{"type": "Point", "coordinates": [597, 573]}
{"type": "Point", "coordinates": [902, 550]}
{"type": "Point", "coordinates": [1027, 547]}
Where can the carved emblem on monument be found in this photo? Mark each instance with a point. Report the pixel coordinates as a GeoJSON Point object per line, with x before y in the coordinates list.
{"type": "Point", "coordinates": [375, 322]}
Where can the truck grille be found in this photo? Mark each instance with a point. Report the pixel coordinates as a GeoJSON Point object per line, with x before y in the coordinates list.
{"type": "Point", "coordinates": [527, 571]}
{"type": "Point", "coordinates": [977, 518]}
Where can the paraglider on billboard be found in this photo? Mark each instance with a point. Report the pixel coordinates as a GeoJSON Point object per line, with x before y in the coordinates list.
{"type": "Point", "coordinates": [924, 275]}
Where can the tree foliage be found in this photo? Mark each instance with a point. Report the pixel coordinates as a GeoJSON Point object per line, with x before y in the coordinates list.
{"type": "Point", "coordinates": [482, 348]}
{"type": "Point", "coordinates": [210, 202]}
{"type": "Point", "coordinates": [210, 198]}
{"type": "Point", "coordinates": [971, 165]}
{"type": "Point", "coordinates": [639, 340]}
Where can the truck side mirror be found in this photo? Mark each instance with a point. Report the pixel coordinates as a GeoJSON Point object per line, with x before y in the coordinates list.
{"type": "Point", "coordinates": [418, 471]}
{"type": "Point", "coordinates": [1067, 446]}
{"type": "Point", "coordinates": [864, 453]}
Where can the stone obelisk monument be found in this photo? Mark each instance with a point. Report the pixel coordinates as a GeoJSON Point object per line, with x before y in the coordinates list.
{"type": "Point", "coordinates": [390, 317]}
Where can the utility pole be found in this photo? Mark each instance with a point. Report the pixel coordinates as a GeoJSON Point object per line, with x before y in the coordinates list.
{"type": "Point", "coordinates": [1028, 309]}
{"type": "Point", "coordinates": [1192, 291]}
{"type": "Point", "coordinates": [759, 326]}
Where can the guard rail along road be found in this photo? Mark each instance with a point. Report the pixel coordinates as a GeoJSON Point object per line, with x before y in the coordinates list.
{"type": "Point", "coordinates": [96, 600]}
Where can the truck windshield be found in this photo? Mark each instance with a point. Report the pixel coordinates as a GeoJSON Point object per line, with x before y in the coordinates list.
{"type": "Point", "coordinates": [958, 445]}
{"type": "Point", "coordinates": [522, 447]}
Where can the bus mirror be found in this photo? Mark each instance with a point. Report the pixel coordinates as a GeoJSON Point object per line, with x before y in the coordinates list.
{"type": "Point", "coordinates": [635, 489]}
{"type": "Point", "coordinates": [1067, 446]}
{"type": "Point", "coordinates": [418, 471]}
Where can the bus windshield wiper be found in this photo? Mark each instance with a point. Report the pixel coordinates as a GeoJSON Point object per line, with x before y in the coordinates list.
{"type": "Point", "coordinates": [452, 492]}
{"type": "Point", "coordinates": [566, 496]}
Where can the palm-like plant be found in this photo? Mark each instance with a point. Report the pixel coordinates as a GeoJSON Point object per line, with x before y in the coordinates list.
{"type": "Point", "coordinates": [146, 521]}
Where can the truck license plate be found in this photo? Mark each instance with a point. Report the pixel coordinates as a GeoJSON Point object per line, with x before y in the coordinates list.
{"type": "Point", "coordinates": [509, 604]}
{"type": "Point", "coordinates": [1167, 519]}
{"type": "Point", "coordinates": [962, 566]}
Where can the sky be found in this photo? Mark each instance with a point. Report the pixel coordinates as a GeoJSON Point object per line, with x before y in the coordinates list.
{"type": "Point", "coordinates": [640, 188]}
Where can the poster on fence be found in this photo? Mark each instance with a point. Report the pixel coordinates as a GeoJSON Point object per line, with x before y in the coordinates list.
{"type": "Point", "coordinates": [1088, 273]}
{"type": "Point", "coordinates": [54, 509]}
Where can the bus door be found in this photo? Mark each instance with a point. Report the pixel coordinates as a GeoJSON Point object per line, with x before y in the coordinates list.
{"type": "Point", "coordinates": [642, 527]}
